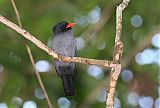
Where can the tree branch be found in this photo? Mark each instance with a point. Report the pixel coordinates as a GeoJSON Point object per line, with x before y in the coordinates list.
{"type": "Point", "coordinates": [42, 46]}
{"type": "Point", "coordinates": [117, 55]}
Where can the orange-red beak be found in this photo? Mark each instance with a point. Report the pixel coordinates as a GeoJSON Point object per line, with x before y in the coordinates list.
{"type": "Point", "coordinates": [70, 25]}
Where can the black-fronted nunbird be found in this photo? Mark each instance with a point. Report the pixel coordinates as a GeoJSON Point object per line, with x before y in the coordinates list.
{"type": "Point", "coordinates": [64, 43]}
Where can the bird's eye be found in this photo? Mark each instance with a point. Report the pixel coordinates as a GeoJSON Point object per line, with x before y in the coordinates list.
{"type": "Point", "coordinates": [61, 27]}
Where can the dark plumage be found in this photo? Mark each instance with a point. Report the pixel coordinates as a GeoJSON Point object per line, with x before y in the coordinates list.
{"type": "Point", "coordinates": [64, 44]}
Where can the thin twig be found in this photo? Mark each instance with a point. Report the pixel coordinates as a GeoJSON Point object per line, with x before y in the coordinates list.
{"type": "Point", "coordinates": [31, 58]}
{"type": "Point", "coordinates": [117, 55]}
{"type": "Point", "coordinates": [17, 13]}
{"type": "Point", "coordinates": [39, 78]}
{"type": "Point", "coordinates": [42, 46]}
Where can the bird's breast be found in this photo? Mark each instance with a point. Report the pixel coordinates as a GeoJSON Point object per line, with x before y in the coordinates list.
{"type": "Point", "coordinates": [64, 45]}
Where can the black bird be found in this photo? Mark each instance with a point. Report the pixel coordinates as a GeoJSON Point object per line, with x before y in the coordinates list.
{"type": "Point", "coordinates": [64, 43]}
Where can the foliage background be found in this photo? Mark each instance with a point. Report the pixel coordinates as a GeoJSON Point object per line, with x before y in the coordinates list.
{"type": "Point", "coordinates": [17, 77]}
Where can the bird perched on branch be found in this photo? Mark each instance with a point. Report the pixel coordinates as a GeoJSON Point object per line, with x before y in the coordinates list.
{"type": "Point", "coordinates": [64, 44]}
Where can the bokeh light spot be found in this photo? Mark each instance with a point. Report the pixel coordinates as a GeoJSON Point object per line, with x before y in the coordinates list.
{"type": "Point", "coordinates": [146, 102]}
{"type": "Point", "coordinates": [127, 75]}
{"type": "Point", "coordinates": [136, 21]}
{"type": "Point", "coordinates": [156, 40]}
{"type": "Point", "coordinates": [39, 93]}
{"type": "Point", "coordinates": [159, 90]}
{"type": "Point", "coordinates": [63, 102]}
{"type": "Point", "coordinates": [157, 103]}
{"type": "Point", "coordinates": [102, 96]}
{"type": "Point", "coordinates": [3, 105]}
{"type": "Point", "coordinates": [132, 98]}
{"type": "Point", "coordinates": [117, 103]}
{"type": "Point", "coordinates": [80, 43]}
{"type": "Point", "coordinates": [1, 68]}
{"type": "Point", "coordinates": [101, 46]}
{"type": "Point", "coordinates": [157, 56]}
{"type": "Point", "coordinates": [43, 66]}
{"type": "Point", "coordinates": [95, 71]}
{"type": "Point", "coordinates": [148, 56]}
{"type": "Point", "coordinates": [29, 104]}
{"type": "Point", "coordinates": [81, 20]}
{"type": "Point", "coordinates": [17, 102]}
{"type": "Point", "coordinates": [94, 15]}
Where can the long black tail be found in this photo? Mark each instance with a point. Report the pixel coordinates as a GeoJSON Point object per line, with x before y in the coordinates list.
{"type": "Point", "coordinates": [68, 84]}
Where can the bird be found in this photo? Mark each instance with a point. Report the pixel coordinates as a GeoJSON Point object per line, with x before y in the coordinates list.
{"type": "Point", "coordinates": [64, 44]}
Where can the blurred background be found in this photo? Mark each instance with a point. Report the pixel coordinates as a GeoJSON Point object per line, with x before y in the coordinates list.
{"type": "Point", "coordinates": [139, 82]}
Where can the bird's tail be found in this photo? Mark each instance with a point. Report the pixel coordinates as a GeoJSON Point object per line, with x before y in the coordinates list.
{"type": "Point", "coordinates": [68, 84]}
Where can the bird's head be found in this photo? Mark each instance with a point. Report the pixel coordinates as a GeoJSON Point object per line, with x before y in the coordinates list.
{"type": "Point", "coordinates": [62, 27]}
